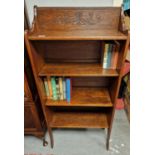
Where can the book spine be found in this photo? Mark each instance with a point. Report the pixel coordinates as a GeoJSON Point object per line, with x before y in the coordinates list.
{"type": "Point", "coordinates": [57, 88]}
{"type": "Point", "coordinates": [105, 58]}
{"type": "Point", "coordinates": [112, 57]}
{"type": "Point", "coordinates": [54, 88]}
{"type": "Point", "coordinates": [46, 87]}
{"type": "Point", "coordinates": [102, 52]}
{"type": "Point", "coordinates": [50, 87]}
{"type": "Point", "coordinates": [68, 97]}
{"type": "Point", "coordinates": [61, 88]}
{"type": "Point", "coordinates": [64, 89]}
{"type": "Point", "coordinates": [109, 56]}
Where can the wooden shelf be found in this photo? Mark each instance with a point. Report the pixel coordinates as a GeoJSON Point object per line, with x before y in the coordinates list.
{"type": "Point", "coordinates": [86, 97]}
{"type": "Point", "coordinates": [79, 120]}
{"type": "Point", "coordinates": [79, 35]}
{"type": "Point", "coordinates": [76, 69]}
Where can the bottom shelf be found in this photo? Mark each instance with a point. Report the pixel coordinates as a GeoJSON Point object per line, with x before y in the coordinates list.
{"type": "Point", "coordinates": [63, 119]}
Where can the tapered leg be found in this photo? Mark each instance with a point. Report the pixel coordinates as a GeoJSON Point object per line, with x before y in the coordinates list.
{"type": "Point", "coordinates": [108, 138]}
{"type": "Point", "coordinates": [51, 137]}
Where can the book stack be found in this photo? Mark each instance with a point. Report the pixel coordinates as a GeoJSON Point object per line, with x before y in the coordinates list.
{"type": "Point", "coordinates": [110, 56]}
{"type": "Point", "coordinates": [57, 88]}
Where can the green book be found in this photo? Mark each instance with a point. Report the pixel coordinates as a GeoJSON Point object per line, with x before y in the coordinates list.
{"type": "Point", "coordinates": [46, 87]}
{"type": "Point", "coordinates": [54, 90]}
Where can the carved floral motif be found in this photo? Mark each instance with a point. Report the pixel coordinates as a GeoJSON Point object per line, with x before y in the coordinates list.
{"type": "Point", "coordinates": [78, 18]}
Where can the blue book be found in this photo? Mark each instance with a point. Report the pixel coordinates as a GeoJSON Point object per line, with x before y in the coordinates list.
{"type": "Point", "coordinates": [109, 55]}
{"type": "Point", "coordinates": [68, 91]}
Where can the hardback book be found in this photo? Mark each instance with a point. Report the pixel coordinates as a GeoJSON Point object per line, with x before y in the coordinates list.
{"type": "Point", "coordinates": [61, 88]}
{"type": "Point", "coordinates": [68, 92]}
{"type": "Point", "coordinates": [57, 88]}
{"type": "Point", "coordinates": [53, 82]}
{"type": "Point", "coordinates": [46, 87]}
{"type": "Point", "coordinates": [50, 87]}
{"type": "Point", "coordinates": [105, 55]}
{"type": "Point", "coordinates": [112, 56]}
{"type": "Point", "coordinates": [110, 48]}
{"type": "Point", "coordinates": [64, 88]}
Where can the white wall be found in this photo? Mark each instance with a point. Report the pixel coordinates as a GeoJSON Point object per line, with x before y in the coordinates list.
{"type": "Point", "coordinates": [73, 3]}
{"type": "Point", "coordinates": [117, 2]}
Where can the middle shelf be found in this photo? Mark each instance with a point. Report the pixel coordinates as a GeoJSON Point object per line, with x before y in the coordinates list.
{"type": "Point", "coordinates": [81, 96]}
{"type": "Point", "coordinates": [76, 69]}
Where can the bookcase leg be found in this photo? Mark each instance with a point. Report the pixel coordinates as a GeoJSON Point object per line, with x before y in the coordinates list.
{"type": "Point", "coordinates": [108, 139]}
{"type": "Point", "coordinates": [51, 137]}
{"type": "Point", "coordinates": [45, 143]}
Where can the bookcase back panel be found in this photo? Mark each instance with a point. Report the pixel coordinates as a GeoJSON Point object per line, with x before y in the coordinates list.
{"type": "Point", "coordinates": [55, 19]}
{"type": "Point", "coordinates": [69, 51]}
{"type": "Point", "coordinates": [91, 81]}
{"type": "Point", "coordinates": [80, 109]}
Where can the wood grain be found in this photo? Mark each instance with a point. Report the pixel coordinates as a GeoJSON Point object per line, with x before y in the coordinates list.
{"type": "Point", "coordinates": [79, 35]}
{"type": "Point", "coordinates": [69, 51]}
{"type": "Point", "coordinates": [77, 24]}
{"type": "Point", "coordinates": [79, 120]}
{"type": "Point", "coordinates": [87, 97]}
{"type": "Point", "coordinates": [76, 69]}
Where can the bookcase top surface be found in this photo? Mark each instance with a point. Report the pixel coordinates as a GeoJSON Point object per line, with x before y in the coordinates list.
{"type": "Point", "coordinates": [78, 23]}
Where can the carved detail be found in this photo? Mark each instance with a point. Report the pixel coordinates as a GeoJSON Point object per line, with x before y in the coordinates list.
{"type": "Point", "coordinates": [78, 19]}
{"type": "Point", "coordinates": [73, 19]}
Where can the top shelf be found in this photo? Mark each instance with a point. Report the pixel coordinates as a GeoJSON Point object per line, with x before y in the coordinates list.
{"type": "Point", "coordinates": [78, 35]}
{"type": "Point", "coordinates": [78, 23]}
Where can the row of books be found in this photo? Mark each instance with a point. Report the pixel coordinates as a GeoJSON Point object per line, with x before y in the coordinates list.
{"type": "Point", "coordinates": [57, 88]}
{"type": "Point", "coordinates": [111, 52]}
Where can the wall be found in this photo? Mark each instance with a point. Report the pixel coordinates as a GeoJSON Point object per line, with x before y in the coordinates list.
{"type": "Point", "coordinates": [73, 3]}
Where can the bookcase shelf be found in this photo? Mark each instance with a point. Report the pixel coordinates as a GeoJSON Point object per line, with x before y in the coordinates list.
{"type": "Point", "coordinates": [76, 69]}
{"type": "Point", "coordinates": [75, 44]}
{"type": "Point", "coordinates": [86, 97]}
{"type": "Point", "coordinates": [79, 120]}
{"type": "Point", "coordinates": [79, 35]}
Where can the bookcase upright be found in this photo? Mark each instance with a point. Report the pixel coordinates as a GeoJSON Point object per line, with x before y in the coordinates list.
{"type": "Point", "coordinates": [69, 42]}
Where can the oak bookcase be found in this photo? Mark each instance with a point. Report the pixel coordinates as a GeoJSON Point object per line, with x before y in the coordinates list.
{"type": "Point", "coordinates": [68, 42]}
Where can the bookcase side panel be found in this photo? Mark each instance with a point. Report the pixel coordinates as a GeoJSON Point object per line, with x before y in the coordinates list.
{"type": "Point", "coordinates": [38, 60]}
{"type": "Point", "coordinates": [38, 81]}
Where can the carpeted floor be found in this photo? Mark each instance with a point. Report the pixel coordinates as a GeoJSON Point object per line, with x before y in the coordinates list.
{"type": "Point", "coordinates": [85, 141]}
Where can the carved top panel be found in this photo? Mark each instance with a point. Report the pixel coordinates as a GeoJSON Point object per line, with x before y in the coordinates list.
{"type": "Point", "coordinates": [68, 19]}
